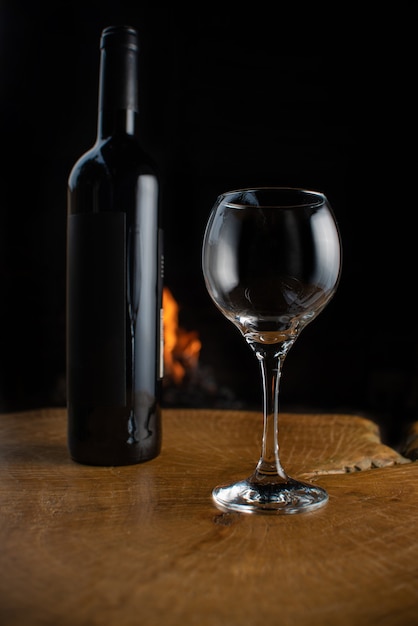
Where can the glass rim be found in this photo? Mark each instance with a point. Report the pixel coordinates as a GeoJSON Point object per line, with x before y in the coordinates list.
{"type": "Point", "coordinates": [307, 197]}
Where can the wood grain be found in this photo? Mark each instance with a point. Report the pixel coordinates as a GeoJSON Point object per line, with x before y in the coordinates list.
{"type": "Point", "coordinates": [145, 545]}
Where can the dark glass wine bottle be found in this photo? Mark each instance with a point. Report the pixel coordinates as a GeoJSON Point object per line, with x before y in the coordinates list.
{"type": "Point", "coordinates": [114, 277]}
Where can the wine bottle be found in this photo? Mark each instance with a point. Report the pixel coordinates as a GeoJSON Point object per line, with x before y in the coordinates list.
{"type": "Point", "coordinates": [114, 277]}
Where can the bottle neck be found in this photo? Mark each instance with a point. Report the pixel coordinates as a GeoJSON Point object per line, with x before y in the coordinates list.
{"type": "Point", "coordinates": [122, 122]}
{"type": "Point", "coordinates": [118, 88]}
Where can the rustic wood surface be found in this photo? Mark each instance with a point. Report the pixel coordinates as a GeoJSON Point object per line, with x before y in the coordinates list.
{"type": "Point", "coordinates": [144, 544]}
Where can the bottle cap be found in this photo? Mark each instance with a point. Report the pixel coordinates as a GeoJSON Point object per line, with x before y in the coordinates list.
{"type": "Point", "coordinates": [120, 36]}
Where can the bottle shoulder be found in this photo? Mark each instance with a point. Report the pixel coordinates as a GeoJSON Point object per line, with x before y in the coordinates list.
{"type": "Point", "coordinates": [115, 157]}
{"type": "Point", "coordinates": [113, 176]}
{"type": "Point", "coordinates": [89, 160]}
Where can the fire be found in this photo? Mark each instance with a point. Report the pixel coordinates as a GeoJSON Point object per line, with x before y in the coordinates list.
{"type": "Point", "coordinates": [181, 347]}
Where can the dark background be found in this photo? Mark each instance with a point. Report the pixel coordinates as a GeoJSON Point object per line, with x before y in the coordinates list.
{"type": "Point", "coordinates": [233, 98]}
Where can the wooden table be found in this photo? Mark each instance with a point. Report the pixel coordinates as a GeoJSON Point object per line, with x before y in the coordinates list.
{"type": "Point", "coordinates": [144, 545]}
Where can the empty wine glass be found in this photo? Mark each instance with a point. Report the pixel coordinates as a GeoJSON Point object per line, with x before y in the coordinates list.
{"type": "Point", "coordinates": [271, 261]}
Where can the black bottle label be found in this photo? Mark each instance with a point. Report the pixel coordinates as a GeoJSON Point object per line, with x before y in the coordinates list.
{"type": "Point", "coordinates": [97, 316]}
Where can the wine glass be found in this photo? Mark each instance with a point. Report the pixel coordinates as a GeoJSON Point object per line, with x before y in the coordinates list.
{"type": "Point", "coordinates": [271, 262]}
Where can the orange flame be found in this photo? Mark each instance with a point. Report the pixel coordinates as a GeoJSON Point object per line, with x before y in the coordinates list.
{"type": "Point", "coordinates": [181, 347]}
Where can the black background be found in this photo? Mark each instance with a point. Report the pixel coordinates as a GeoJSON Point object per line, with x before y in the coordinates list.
{"type": "Point", "coordinates": [229, 98]}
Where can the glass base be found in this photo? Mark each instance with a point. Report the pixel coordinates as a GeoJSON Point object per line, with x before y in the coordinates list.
{"type": "Point", "coordinates": [274, 497]}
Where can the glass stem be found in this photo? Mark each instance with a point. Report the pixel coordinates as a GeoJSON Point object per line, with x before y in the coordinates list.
{"type": "Point", "coordinates": [271, 361]}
